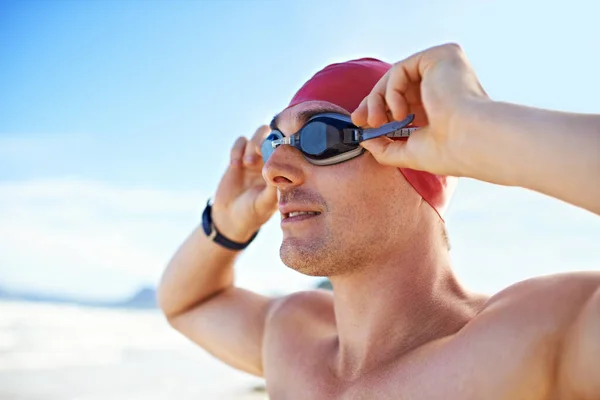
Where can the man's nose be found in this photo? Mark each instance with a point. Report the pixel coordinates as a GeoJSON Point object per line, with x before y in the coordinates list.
{"type": "Point", "coordinates": [284, 168]}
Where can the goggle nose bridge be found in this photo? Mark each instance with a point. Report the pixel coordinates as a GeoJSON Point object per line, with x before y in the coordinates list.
{"type": "Point", "coordinates": [351, 136]}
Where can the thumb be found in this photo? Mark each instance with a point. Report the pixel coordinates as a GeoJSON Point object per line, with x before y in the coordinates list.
{"type": "Point", "coordinates": [266, 201]}
{"type": "Point", "coordinates": [387, 151]}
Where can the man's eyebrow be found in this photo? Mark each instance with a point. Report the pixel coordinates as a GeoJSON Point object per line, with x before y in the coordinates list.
{"type": "Point", "coordinates": [273, 124]}
{"type": "Point", "coordinates": [302, 116]}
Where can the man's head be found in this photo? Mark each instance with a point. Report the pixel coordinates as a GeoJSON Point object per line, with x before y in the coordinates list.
{"type": "Point", "coordinates": [366, 211]}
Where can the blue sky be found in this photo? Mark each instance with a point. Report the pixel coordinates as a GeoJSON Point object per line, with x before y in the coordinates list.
{"type": "Point", "coordinates": [116, 119]}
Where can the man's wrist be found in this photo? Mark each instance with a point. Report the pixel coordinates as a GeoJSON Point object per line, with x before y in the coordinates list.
{"type": "Point", "coordinates": [462, 146]}
{"type": "Point", "coordinates": [229, 228]}
{"type": "Point", "coordinates": [482, 143]}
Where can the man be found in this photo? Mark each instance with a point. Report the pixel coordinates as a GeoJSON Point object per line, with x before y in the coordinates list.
{"type": "Point", "coordinates": [398, 324]}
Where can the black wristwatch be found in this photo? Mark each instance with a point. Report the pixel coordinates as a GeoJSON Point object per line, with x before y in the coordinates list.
{"type": "Point", "coordinates": [213, 234]}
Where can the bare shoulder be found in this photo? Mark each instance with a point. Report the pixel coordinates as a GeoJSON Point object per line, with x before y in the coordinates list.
{"type": "Point", "coordinates": [558, 288]}
{"type": "Point", "coordinates": [546, 303]}
{"type": "Point", "coordinates": [311, 308]}
{"type": "Point", "coordinates": [528, 331]}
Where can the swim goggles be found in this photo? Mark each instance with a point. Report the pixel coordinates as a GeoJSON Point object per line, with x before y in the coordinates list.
{"type": "Point", "coordinates": [332, 138]}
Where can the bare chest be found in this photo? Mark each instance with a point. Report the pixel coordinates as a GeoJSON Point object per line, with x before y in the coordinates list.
{"type": "Point", "coordinates": [480, 371]}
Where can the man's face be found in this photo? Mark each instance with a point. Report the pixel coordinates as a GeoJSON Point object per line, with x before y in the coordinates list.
{"type": "Point", "coordinates": [365, 210]}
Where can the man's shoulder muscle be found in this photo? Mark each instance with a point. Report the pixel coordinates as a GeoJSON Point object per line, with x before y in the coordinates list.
{"type": "Point", "coordinates": [295, 327]}
{"type": "Point", "coordinates": [522, 329]}
{"type": "Point", "coordinates": [556, 293]}
{"type": "Point", "coordinates": [314, 306]}
{"type": "Point", "coordinates": [536, 313]}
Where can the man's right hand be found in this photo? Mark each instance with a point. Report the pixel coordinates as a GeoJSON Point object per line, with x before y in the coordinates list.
{"type": "Point", "coordinates": [244, 201]}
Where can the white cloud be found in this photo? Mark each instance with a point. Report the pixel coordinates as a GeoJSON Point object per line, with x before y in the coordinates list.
{"type": "Point", "coordinates": [59, 231]}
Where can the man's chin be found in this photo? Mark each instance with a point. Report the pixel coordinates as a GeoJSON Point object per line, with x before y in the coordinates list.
{"type": "Point", "coordinates": [305, 259]}
{"type": "Point", "coordinates": [308, 271]}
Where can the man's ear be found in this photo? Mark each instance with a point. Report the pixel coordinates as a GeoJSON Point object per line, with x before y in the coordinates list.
{"type": "Point", "coordinates": [273, 123]}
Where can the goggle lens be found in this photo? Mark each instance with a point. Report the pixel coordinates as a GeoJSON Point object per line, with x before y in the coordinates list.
{"type": "Point", "coordinates": [317, 137]}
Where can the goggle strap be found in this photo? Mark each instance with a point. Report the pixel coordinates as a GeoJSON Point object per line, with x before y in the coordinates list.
{"type": "Point", "coordinates": [387, 129]}
{"type": "Point", "coordinates": [402, 132]}
{"type": "Point", "coordinates": [351, 136]}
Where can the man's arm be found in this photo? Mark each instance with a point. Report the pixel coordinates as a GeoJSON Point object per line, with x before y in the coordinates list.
{"type": "Point", "coordinates": [554, 153]}
{"type": "Point", "coordinates": [197, 293]}
{"type": "Point", "coordinates": [199, 299]}
{"type": "Point", "coordinates": [579, 356]}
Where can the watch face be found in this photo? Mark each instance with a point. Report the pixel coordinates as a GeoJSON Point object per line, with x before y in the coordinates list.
{"type": "Point", "coordinates": [207, 224]}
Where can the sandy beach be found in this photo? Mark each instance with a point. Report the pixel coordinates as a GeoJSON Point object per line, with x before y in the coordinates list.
{"type": "Point", "coordinates": [61, 352]}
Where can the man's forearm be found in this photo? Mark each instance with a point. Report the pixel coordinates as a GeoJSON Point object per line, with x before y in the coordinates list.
{"type": "Point", "coordinates": [199, 269]}
{"type": "Point", "coordinates": [554, 153]}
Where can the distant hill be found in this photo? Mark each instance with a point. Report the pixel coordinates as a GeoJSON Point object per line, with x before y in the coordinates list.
{"type": "Point", "coordinates": [325, 284]}
{"type": "Point", "coordinates": [145, 298]}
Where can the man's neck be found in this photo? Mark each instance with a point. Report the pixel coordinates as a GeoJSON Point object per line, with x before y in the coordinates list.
{"type": "Point", "coordinates": [386, 310]}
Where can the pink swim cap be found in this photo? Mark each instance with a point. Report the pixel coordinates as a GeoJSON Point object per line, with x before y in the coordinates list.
{"type": "Point", "coordinates": [346, 85]}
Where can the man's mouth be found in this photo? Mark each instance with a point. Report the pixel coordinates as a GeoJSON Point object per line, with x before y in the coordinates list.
{"type": "Point", "coordinates": [298, 213]}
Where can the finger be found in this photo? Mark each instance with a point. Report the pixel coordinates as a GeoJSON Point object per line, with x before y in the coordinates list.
{"type": "Point", "coordinates": [377, 110]}
{"type": "Point", "coordinates": [250, 154]}
{"type": "Point", "coordinates": [372, 109]}
{"type": "Point", "coordinates": [259, 136]}
{"type": "Point", "coordinates": [395, 92]}
{"type": "Point", "coordinates": [389, 117]}
{"type": "Point", "coordinates": [400, 85]}
{"type": "Point", "coordinates": [266, 201]}
{"type": "Point", "coordinates": [237, 152]}
{"type": "Point", "coordinates": [387, 151]}
{"type": "Point", "coordinates": [420, 115]}
{"type": "Point", "coordinates": [359, 116]}
{"type": "Point", "coordinates": [413, 95]}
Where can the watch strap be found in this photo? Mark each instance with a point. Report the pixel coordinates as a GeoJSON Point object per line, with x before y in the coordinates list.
{"type": "Point", "coordinates": [213, 233]}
